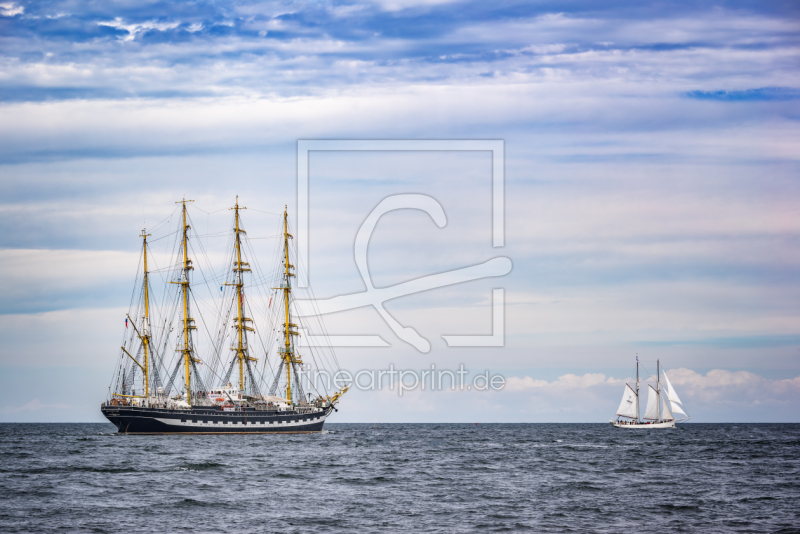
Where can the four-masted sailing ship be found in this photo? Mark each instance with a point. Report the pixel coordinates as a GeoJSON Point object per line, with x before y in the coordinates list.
{"type": "Point", "coordinates": [273, 390]}
{"type": "Point", "coordinates": [661, 404]}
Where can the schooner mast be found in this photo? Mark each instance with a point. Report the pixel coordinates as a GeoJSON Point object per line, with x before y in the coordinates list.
{"type": "Point", "coordinates": [658, 388]}
{"type": "Point", "coordinates": [637, 388]}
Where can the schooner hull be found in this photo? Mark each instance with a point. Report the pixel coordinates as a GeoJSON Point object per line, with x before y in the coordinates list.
{"type": "Point", "coordinates": [663, 424]}
{"type": "Point", "coordinates": [136, 420]}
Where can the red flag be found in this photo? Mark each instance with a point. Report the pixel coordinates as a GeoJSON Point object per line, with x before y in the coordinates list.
{"type": "Point", "coordinates": [126, 323]}
{"type": "Point", "coordinates": [270, 303]}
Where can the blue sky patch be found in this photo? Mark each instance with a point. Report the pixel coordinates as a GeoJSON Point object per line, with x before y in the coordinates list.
{"type": "Point", "coordinates": [762, 94]}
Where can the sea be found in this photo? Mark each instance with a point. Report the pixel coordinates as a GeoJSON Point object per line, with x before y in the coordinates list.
{"type": "Point", "coordinates": [404, 478]}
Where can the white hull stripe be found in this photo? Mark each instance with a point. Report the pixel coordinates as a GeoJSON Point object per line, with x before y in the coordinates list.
{"type": "Point", "coordinates": [240, 425]}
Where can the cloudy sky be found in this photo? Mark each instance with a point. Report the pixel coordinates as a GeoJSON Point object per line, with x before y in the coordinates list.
{"type": "Point", "coordinates": [652, 200]}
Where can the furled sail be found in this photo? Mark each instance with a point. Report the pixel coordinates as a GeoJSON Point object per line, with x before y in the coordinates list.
{"type": "Point", "coordinates": [651, 412]}
{"type": "Point", "coordinates": [627, 408]}
{"type": "Point", "coordinates": [666, 413]}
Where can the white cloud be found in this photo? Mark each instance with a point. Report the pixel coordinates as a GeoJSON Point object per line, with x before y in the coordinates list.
{"type": "Point", "coordinates": [399, 5]}
{"type": "Point", "coordinates": [720, 385]}
{"type": "Point", "coordinates": [10, 9]}
{"type": "Point", "coordinates": [133, 29]}
{"type": "Point", "coordinates": [568, 381]}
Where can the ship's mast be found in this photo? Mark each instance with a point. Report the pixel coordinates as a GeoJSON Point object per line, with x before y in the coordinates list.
{"type": "Point", "coordinates": [240, 267]}
{"type": "Point", "coordinates": [187, 321]}
{"type": "Point", "coordinates": [637, 387]}
{"type": "Point", "coordinates": [658, 387]}
{"type": "Point", "coordinates": [146, 321]}
{"type": "Point", "coordinates": [288, 354]}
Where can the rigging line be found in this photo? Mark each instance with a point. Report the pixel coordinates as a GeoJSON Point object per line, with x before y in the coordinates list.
{"type": "Point", "coordinates": [191, 295]}
{"type": "Point", "coordinates": [214, 276]}
{"type": "Point", "coordinates": [158, 310]}
{"type": "Point", "coordinates": [215, 234]}
{"type": "Point", "coordinates": [251, 305]}
{"type": "Point", "coordinates": [225, 315]}
{"type": "Point", "coordinates": [260, 339]}
{"type": "Point", "coordinates": [328, 355]}
{"type": "Point", "coordinates": [162, 237]}
{"type": "Point", "coordinates": [162, 354]}
{"type": "Point", "coordinates": [199, 385]}
{"type": "Point", "coordinates": [219, 339]}
{"type": "Point", "coordinates": [267, 212]}
{"type": "Point", "coordinates": [309, 290]}
{"type": "Point", "coordinates": [136, 296]}
{"type": "Point", "coordinates": [227, 379]}
{"type": "Point", "coordinates": [202, 251]}
{"type": "Point", "coordinates": [208, 287]}
{"type": "Point", "coordinates": [273, 318]}
{"type": "Point", "coordinates": [170, 315]}
{"type": "Point", "coordinates": [254, 389]}
{"type": "Point", "coordinates": [206, 212]}
{"type": "Point", "coordinates": [256, 266]}
{"type": "Point", "coordinates": [172, 295]}
{"type": "Point", "coordinates": [273, 389]}
{"type": "Point", "coordinates": [166, 219]}
{"type": "Point", "coordinates": [168, 388]}
{"type": "Point", "coordinates": [251, 256]}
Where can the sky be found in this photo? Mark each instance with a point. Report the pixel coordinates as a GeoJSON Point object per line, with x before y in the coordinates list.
{"type": "Point", "coordinates": [652, 199]}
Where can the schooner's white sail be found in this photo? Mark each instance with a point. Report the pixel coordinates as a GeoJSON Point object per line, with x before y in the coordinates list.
{"type": "Point", "coordinates": [628, 406]}
{"type": "Point", "coordinates": [666, 413]}
{"type": "Point", "coordinates": [651, 412]}
{"type": "Point", "coordinates": [676, 408]}
{"type": "Point", "coordinates": [672, 395]}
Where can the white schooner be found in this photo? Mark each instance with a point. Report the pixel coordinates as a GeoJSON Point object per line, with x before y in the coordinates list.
{"type": "Point", "coordinates": [661, 404]}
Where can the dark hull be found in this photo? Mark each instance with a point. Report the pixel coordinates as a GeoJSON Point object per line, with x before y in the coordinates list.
{"type": "Point", "coordinates": [204, 420]}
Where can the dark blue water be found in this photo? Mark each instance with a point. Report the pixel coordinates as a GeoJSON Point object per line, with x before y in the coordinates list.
{"type": "Point", "coordinates": [413, 478]}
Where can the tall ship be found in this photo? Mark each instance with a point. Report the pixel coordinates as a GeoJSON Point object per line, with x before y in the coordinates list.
{"type": "Point", "coordinates": [662, 403]}
{"type": "Point", "coordinates": [197, 360]}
